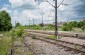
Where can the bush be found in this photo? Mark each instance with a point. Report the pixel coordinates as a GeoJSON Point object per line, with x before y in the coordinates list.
{"type": "Point", "coordinates": [83, 28]}
{"type": "Point", "coordinates": [17, 32]}
{"type": "Point", "coordinates": [65, 28]}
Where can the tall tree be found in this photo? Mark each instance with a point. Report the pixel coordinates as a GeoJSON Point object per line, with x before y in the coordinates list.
{"type": "Point", "coordinates": [5, 21]}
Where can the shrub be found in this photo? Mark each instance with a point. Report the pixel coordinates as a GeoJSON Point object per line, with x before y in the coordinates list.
{"type": "Point", "coordinates": [17, 32]}
{"type": "Point", "coordinates": [83, 28]}
{"type": "Point", "coordinates": [65, 28]}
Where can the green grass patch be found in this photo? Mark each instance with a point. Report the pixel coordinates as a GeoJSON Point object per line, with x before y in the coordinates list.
{"type": "Point", "coordinates": [53, 37]}
{"type": "Point", "coordinates": [5, 45]}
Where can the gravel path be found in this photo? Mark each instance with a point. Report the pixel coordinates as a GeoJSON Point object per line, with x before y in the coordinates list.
{"type": "Point", "coordinates": [43, 48]}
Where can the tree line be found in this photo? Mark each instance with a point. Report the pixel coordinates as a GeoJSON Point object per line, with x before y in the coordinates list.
{"type": "Point", "coordinates": [68, 26]}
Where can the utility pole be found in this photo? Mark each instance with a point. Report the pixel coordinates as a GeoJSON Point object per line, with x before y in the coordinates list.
{"type": "Point", "coordinates": [56, 22]}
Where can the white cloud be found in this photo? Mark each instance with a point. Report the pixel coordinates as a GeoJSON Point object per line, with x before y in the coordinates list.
{"type": "Point", "coordinates": [32, 14]}
{"type": "Point", "coordinates": [64, 12]}
{"type": "Point", "coordinates": [68, 12]}
{"type": "Point", "coordinates": [24, 16]}
{"type": "Point", "coordinates": [22, 2]}
{"type": "Point", "coordinates": [16, 2]}
{"type": "Point", "coordinates": [45, 6]}
{"type": "Point", "coordinates": [6, 9]}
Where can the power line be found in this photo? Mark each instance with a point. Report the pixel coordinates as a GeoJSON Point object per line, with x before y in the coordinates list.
{"type": "Point", "coordinates": [50, 3]}
{"type": "Point", "coordinates": [70, 4]}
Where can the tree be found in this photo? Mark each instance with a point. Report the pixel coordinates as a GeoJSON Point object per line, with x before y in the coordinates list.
{"type": "Point", "coordinates": [80, 24]}
{"type": "Point", "coordinates": [5, 21]}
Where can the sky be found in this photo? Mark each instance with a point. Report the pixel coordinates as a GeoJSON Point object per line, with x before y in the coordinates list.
{"type": "Point", "coordinates": [23, 11]}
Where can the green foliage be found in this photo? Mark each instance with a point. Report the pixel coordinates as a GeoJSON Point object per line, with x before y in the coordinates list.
{"type": "Point", "coordinates": [49, 27]}
{"type": "Point", "coordinates": [83, 28]}
{"type": "Point", "coordinates": [53, 37]}
{"type": "Point", "coordinates": [35, 27]}
{"type": "Point", "coordinates": [65, 24]}
{"type": "Point", "coordinates": [80, 24]}
{"type": "Point", "coordinates": [5, 45]}
{"type": "Point", "coordinates": [5, 21]}
{"type": "Point", "coordinates": [17, 32]}
{"type": "Point", "coordinates": [64, 28]}
{"type": "Point", "coordinates": [38, 27]}
{"type": "Point", "coordinates": [73, 24]}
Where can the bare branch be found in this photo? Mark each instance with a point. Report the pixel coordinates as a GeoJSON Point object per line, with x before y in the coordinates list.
{"type": "Point", "coordinates": [60, 4]}
{"type": "Point", "coordinates": [50, 3]}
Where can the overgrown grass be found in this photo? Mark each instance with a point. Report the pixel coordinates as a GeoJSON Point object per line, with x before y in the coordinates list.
{"type": "Point", "coordinates": [5, 45]}
{"type": "Point", "coordinates": [8, 38]}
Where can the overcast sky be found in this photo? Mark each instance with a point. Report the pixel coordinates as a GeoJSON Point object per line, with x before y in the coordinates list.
{"type": "Point", "coordinates": [24, 10]}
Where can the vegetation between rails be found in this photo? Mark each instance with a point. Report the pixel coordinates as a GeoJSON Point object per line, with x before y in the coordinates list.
{"type": "Point", "coordinates": [53, 37]}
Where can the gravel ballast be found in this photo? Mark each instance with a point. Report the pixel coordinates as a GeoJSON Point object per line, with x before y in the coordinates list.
{"type": "Point", "coordinates": [44, 48]}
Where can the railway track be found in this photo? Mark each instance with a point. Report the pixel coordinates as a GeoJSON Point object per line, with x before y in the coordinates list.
{"type": "Point", "coordinates": [70, 46]}
{"type": "Point", "coordinates": [12, 52]}
{"type": "Point", "coordinates": [61, 33]}
{"type": "Point", "coordinates": [67, 45]}
{"type": "Point", "coordinates": [34, 53]}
